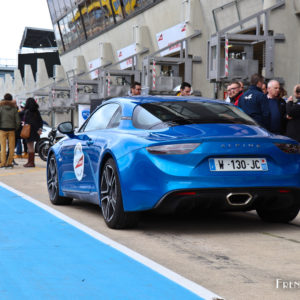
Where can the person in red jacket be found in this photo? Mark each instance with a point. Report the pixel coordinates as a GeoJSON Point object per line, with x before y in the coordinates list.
{"type": "Point", "coordinates": [235, 91]}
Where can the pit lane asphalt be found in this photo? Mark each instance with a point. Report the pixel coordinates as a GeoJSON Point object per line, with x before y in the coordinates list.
{"type": "Point", "coordinates": [234, 255]}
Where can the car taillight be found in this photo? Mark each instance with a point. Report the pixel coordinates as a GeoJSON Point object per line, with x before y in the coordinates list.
{"type": "Point", "coordinates": [288, 148]}
{"type": "Point", "coordinates": [173, 148]}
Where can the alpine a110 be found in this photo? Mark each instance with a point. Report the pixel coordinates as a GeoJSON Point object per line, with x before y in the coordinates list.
{"type": "Point", "coordinates": [169, 154]}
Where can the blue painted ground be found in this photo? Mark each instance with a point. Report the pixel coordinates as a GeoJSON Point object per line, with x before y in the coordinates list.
{"type": "Point", "coordinates": [44, 257]}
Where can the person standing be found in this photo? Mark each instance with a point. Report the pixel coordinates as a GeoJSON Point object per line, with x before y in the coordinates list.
{"type": "Point", "coordinates": [185, 89]}
{"type": "Point", "coordinates": [135, 89]}
{"type": "Point", "coordinates": [18, 137]}
{"type": "Point", "coordinates": [9, 123]}
{"type": "Point", "coordinates": [254, 103]}
{"type": "Point", "coordinates": [264, 88]}
{"type": "Point", "coordinates": [241, 85]}
{"type": "Point", "coordinates": [277, 107]}
{"type": "Point", "coordinates": [32, 117]}
{"type": "Point", "coordinates": [21, 141]}
{"type": "Point", "coordinates": [293, 115]}
{"type": "Point", "coordinates": [234, 91]}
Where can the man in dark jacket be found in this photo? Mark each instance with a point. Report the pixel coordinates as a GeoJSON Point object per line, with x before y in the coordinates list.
{"type": "Point", "coordinates": [9, 123]}
{"type": "Point", "coordinates": [32, 117]}
{"type": "Point", "coordinates": [293, 115]}
{"type": "Point", "coordinates": [254, 103]}
{"type": "Point", "coordinates": [277, 108]}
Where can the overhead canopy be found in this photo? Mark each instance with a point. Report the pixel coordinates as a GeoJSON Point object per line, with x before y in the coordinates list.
{"type": "Point", "coordinates": [38, 38]}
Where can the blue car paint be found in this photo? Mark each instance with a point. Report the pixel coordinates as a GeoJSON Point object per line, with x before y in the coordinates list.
{"type": "Point", "coordinates": [146, 178]}
{"type": "Point", "coordinates": [161, 175]}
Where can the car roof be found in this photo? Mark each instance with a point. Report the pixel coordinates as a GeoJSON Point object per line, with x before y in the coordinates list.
{"type": "Point", "coordinates": [150, 99]}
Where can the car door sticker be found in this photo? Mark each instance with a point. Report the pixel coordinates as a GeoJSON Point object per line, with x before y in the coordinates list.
{"type": "Point", "coordinates": [78, 162]}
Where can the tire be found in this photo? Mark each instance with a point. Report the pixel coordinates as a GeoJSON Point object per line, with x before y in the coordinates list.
{"type": "Point", "coordinates": [284, 215]}
{"type": "Point", "coordinates": [43, 150]}
{"type": "Point", "coordinates": [37, 145]}
{"type": "Point", "coordinates": [111, 199]}
{"type": "Point", "coordinates": [53, 184]}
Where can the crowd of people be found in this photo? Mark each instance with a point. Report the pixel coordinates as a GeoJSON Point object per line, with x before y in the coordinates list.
{"type": "Point", "coordinates": [12, 120]}
{"type": "Point", "coordinates": [267, 104]}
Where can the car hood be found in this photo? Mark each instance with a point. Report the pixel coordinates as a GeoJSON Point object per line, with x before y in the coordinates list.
{"type": "Point", "coordinates": [211, 131]}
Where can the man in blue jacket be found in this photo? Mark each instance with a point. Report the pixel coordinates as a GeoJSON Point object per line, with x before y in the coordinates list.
{"type": "Point", "coordinates": [277, 108]}
{"type": "Point", "coordinates": [254, 103]}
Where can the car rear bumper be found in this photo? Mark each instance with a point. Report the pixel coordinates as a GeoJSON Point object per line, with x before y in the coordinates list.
{"type": "Point", "coordinates": [147, 181]}
{"type": "Point", "coordinates": [229, 199]}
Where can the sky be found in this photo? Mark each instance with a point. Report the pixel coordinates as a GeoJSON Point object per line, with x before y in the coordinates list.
{"type": "Point", "coordinates": [15, 15]}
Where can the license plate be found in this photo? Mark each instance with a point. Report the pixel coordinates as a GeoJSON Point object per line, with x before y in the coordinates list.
{"type": "Point", "coordinates": [238, 164]}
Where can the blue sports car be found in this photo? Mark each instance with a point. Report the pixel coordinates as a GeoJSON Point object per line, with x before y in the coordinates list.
{"type": "Point", "coordinates": [172, 153]}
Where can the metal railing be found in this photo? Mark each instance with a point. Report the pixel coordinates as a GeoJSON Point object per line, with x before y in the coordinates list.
{"type": "Point", "coordinates": [9, 63]}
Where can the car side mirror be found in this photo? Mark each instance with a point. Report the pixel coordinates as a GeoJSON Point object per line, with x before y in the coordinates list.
{"type": "Point", "coordinates": [66, 128]}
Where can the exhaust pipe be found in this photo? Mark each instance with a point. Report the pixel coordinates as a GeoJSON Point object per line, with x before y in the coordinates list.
{"type": "Point", "coordinates": [238, 198]}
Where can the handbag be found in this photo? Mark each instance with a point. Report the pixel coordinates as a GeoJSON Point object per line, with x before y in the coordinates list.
{"type": "Point", "coordinates": [25, 132]}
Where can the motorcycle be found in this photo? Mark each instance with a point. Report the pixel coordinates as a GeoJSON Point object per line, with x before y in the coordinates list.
{"type": "Point", "coordinates": [45, 144]}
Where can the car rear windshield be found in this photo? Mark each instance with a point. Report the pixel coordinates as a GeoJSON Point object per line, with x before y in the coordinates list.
{"type": "Point", "coordinates": [157, 115]}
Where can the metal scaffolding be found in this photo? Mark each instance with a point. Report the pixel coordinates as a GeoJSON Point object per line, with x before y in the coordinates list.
{"type": "Point", "coordinates": [154, 82]}
{"type": "Point", "coordinates": [223, 66]}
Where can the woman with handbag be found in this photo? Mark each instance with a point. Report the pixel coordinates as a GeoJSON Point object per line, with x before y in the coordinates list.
{"type": "Point", "coordinates": [33, 118]}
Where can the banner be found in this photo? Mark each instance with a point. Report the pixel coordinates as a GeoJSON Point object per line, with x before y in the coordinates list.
{"type": "Point", "coordinates": [169, 36]}
{"type": "Point", "coordinates": [124, 53]}
{"type": "Point", "coordinates": [93, 64]}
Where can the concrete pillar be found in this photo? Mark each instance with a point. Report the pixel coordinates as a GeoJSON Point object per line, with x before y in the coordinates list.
{"type": "Point", "coordinates": [42, 78]}
{"type": "Point", "coordinates": [18, 82]}
{"type": "Point", "coordinates": [269, 3]}
{"type": "Point", "coordinates": [106, 54]}
{"type": "Point", "coordinates": [8, 84]}
{"type": "Point", "coordinates": [59, 73]}
{"type": "Point", "coordinates": [28, 78]}
{"type": "Point", "coordinates": [79, 65]}
{"type": "Point", "coordinates": [297, 6]}
{"type": "Point", "coordinates": [2, 92]}
{"type": "Point", "coordinates": [141, 37]}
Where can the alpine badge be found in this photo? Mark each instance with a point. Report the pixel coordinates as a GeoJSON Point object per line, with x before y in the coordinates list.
{"type": "Point", "coordinates": [78, 162]}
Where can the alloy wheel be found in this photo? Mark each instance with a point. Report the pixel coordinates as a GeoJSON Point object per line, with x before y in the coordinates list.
{"type": "Point", "coordinates": [52, 180]}
{"type": "Point", "coordinates": [109, 193]}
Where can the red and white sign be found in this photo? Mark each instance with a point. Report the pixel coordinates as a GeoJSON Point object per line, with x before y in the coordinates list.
{"type": "Point", "coordinates": [94, 64]}
{"type": "Point", "coordinates": [124, 53]}
{"type": "Point", "coordinates": [78, 162]}
{"type": "Point", "coordinates": [169, 36]}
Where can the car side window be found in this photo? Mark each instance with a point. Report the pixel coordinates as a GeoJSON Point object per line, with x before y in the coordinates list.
{"type": "Point", "coordinates": [102, 117]}
{"type": "Point", "coordinates": [116, 118]}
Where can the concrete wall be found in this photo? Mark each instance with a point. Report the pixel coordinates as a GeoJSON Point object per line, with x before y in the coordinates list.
{"type": "Point", "coordinates": [122, 35]}
{"type": "Point", "coordinates": [198, 16]}
{"type": "Point", "coordinates": [287, 57]}
{"type": "Point", "coordinates": [229, 13]}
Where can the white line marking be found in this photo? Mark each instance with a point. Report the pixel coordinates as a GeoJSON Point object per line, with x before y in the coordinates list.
{"type": "Point", "coordinates": [180, 280]}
